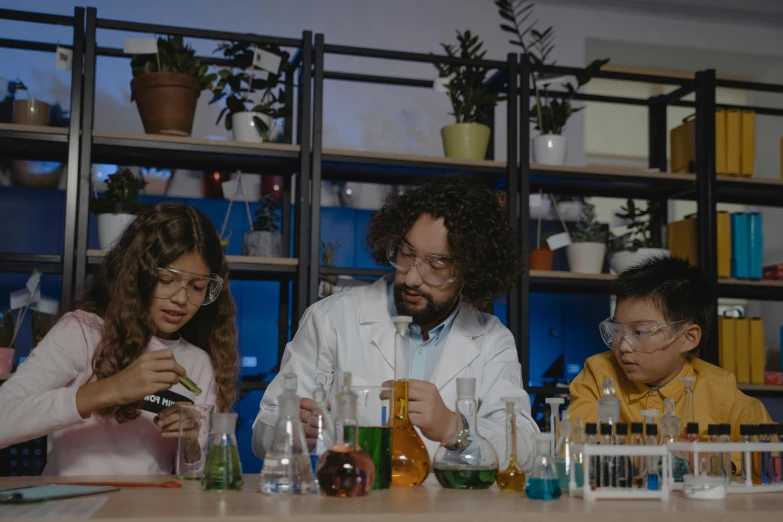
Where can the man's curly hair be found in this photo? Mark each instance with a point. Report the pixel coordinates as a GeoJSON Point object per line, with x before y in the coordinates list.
{"type": "Point", "coordinates": [481, 241]}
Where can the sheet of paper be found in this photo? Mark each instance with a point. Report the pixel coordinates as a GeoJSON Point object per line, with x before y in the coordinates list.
{"type": "Point", "coordinates": [267, 61]}
{"type": "Point", "coordinates": [140, 46]}
{"type": "Point", "coordinates": [68, 508]}
{"type": "Point", "coordinates": [558, 241]}
{"type": "Point", "coordinates": [64, 58]}
{"type": "Point", "coordinates": [441, 84]}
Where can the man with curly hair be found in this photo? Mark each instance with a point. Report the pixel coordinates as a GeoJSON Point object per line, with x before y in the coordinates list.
{"type": "Point", "coordinates": [454, 254]}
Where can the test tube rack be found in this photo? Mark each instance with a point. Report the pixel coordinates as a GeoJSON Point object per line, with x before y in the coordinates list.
{"type": "Point", "coordinates": [597, 450]}
{"type": "Point", "coordinates": [747, 449]}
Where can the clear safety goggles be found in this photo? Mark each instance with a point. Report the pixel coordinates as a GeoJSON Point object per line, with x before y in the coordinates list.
{"type": "Point", "coordinates": [434, 270]}
{"type": "Point", "coordinates": [201, 290]}
{"type": "Point", "coordinates": [641, 337]}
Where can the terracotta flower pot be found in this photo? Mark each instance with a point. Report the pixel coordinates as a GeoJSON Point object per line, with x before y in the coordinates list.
{"type": "Point", "coordinates": [166, 102]}
{"type": "Point", "coordinates": [541, 259]}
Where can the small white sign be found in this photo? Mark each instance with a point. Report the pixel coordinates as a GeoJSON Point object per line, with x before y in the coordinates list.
{"type": "Point", "coordinates": [618, 221]}
{"type": "Point", "coordinates": [441, 84]}
{"type": "Point", "coordinates": [535, 200]}
{"type": "Point", "coordinates": [267, 61]}
{"type": "Point", "coordinates": [63, 58]}
{"type": "Point", "coordinates": [558, 241]}
{"type": "Point", "coordinates": [259, 74]}
{"type": "Point", "coordinates": [47, 305]}
{"type": "Point", "coordinates": [140, 46]}
{"type": "Point", "coordinates": [33, 281]}
{"type": "Point", "coordinates": [21, 298]}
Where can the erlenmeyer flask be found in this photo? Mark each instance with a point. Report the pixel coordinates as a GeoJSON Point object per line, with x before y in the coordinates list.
{"type": "Point", "coordinates": [542, 484]}
{"type": "Point", "coordinates": [511, 477]}
{"type": "Point", "coordinates": [321, 421]}
{"type": "Point", "coordinates": [410, 459]}
{"type": "Point", "coordinates": [466, 460]}
{"type": "Point", "coordinates": [287, 468]}
{"type": "Point", "coordinates": [346, 470]}
{"type": "Point", "coordinates": [223, 471]}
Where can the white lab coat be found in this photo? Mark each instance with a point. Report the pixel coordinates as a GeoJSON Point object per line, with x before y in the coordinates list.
{"type": "Point", "coordinates": [352, 332]}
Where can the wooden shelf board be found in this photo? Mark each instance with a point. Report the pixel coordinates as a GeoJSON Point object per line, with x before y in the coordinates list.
{"type": "Point", "coordinates": [616, 171]}
{"type": "Point", "coordinates": [183, 140]}
{"type": "Point", "coordinates": [562, 274]}
{"type": "Point", "coordinates": [388, 156]}
{"type": "Point", "coordinates": [39, 129]}
{"type": "Point", "coordinates": [762, 182]}
{"type": "Point", "coordinates": [761, 283]}
{"type": "Point", "coordinates": [760, 387]}
{"type": "Point", "coordinates": [243, 260]}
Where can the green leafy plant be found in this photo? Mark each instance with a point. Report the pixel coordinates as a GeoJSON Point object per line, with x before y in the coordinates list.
{"type": "Point", "coordinates": [588, 229]}
{"type": "Point", "coordinates": [40, 323]}
{"type": "Point", "coordinates": [639, 234]}
{"type": "Point", "coordinates": [236, 85]}
{"type": "Point", "coordinates": [328, 251]}
{"type": "Point", "coordinates": [122, 195]}
{"type": "Point", "coordinates": [7, 329]}
{"type": "Point", "coordinates": [173, 56]}
{"type": "Point", "coordinates": [267, 215]}
{"type": "Point", "coordinates": [551, 111]}
{"type": "Point", "coordinates": [468, 91]}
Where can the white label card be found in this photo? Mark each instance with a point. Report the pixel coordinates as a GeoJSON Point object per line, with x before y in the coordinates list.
{"type": "Point", "coordinates": [267, 61]}
{"type": "Point", "coordinates": [618, 221]}
{"type": "Point", "coordinates": [140, 46]}
{"type": "Point", "coordinates": [535, 200]}
{"type": "Point", "coordinates": [558, 241]}
{"type": "Point", "coordinates": [63, 58]}
{"type": "Point", "coordinates": [441, 84]}
{"type": "Point", "coordinates": [33, 281]}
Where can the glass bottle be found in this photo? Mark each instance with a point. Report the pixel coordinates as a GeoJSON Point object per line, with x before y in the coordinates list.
{"type": "Point", "coordinates": [670, 432]}
{"type": "Point", "coordinates": [223, 471]}
{"type": "Point", "coordinates": [564, 455]}
{"type": "Point", "coordinates": [622, 463]}
{"type": "Point", "coordinates": [542, 484]}
{"type": "Point", "coordinates": [287, 468]}
{"type": "Point", "coordinates": [688, 413]}
{"type": "Point", "coordinates": [410, 458]}
{"type": "Point", "coordinates": [591, 437]}
{"type": "Point", "coordinates": [637, 462]}
{"type": "Point", "coordinates": [322, 421]}
{"type": "Point", "coordinates": [652, 477]}
{"type": "Point", "coordinates": [608, 404]}
{"type": "Point", "coordinates": [346, 470]}
{"type": "Point", "coordinates": [512, 478]}
{"type": "Point", "coordinates": [466, 460]}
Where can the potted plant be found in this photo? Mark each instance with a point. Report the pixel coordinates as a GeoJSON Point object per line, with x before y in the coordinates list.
{"type": "Point", "coordinates": [117, 208]}
{"type": "Point", "coordinates": [551, 110]}
{"type": "Point", "coordinates": [588, 243]}
{"type": "Point", "coordinates": [7, 352]}
{"type": "Point", "coordinates": [40, 323]}
{"type": "Point", "coordinates": [542, 258]}
{"type": "Point", "coordinates": [167, 85]}
{"type": "Point", "coordinates": [470, 98]}
{"type": "Point", "coordinates": [637, 244]}
{"type": "Point", "coordinates": [250, 120]}
{"type": "Point", "coordinates": [265, 240]}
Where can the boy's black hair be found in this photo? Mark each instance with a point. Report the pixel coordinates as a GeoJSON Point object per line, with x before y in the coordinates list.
{"type": "Point", "coordinates": [678, 289]}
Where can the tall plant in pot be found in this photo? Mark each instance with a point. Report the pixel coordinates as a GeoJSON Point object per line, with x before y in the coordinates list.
{"type": "Point", "coordinates": [254, 99]}
{"type": "Point", "coordinates": [552, 109]}
{"type": "Point", "coordinates": [265, 239]}
{"type": "Point", "coordinates": [470, 98]}
{"type": "Point", "coordinates": [637, 244]}
{"type": "Point", "coordinates": [167, 85]}
{"type": "Point", "coordinates": [117, 208]}
{"type": "Point", "coordinates": [587, 250]}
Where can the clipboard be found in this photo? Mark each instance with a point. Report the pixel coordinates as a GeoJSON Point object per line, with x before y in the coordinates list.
{"type": "Point", "coordinates": [50, 492]}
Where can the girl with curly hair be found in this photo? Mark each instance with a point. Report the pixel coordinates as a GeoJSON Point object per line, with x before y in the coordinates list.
{"type": "Point", "coordinates": [106, 381]}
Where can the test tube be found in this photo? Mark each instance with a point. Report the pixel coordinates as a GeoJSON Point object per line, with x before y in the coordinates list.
{"type": "Point", "coordinates": [692, 435]}
{"type": "Point", "coordinates": [746, 430]}
{"type": "Point", "coordinates": [764, 436]}
{"type": "Point", "coordinates": [591, 437]}
{"type": "Point", "coordinates": [607, 478]}
{"type": "Point", "coordinates": [756, 467]}
{"type": "Point", "coordinates": [653, 478]}
{"type": "Point", "coordinates": [622, 463]}
{"type": "Point", "coordinates": [724, 436]}
{"type": "Point", "coordinates": [778, 456]}
{"type": "Point", "coordinates": [637, 462]}
{"type": "Point", "coordinates": [713, 432]}
{"type": "Point", "coordinates": [554, 420]}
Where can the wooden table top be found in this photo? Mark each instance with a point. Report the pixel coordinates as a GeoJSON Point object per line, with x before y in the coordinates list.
{"type": "Point", "coordinates": [424, 503]}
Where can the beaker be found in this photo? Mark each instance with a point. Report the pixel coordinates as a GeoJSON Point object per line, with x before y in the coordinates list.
{"type": "Point", "coordinates": [465, 460]}
{"type": "Point", "coordinates": [542, 483]}
{"type": "Point", "coordinates": [193, 442]}
{"type": "Point", "coordinates": [223, 471]}
{"type": "Point", "coordinates": [374, 417]}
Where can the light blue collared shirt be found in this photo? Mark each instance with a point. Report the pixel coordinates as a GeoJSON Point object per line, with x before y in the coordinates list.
{"type": "Point", "coordinates": [425, 353]}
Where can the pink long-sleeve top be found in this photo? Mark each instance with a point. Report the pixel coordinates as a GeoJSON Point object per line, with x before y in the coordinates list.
{"type": "Point", "coordinates": [40, 399]}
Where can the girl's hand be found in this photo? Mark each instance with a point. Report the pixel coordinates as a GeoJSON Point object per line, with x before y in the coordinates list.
{"type": "Point", "coordinates": [170, 420]}
{"type": "Point", "coordinates": [150, 373]}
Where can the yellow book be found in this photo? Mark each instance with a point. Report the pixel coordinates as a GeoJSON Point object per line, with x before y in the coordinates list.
{"type": "Point", "coordinates": [683, 147]}
{"type": "Point", "coordinates": [781, 158]}
{"type": "Point", "coordinates": [733, 142]}
{"type": "Point", "coordinates": [720, 142]}
{"type": "Point", "coordinates": [682, 239]}
{"type": "Point", "coordinates": [724, 244]}
{"type": "Point", "coordinates": [742, 349]}
{"type": "Point", "coordinates": [727, 350]}
{"type": "Point", "coordinates": [758, 351]}
{"type": "Point", "coordinates": [748, 154]}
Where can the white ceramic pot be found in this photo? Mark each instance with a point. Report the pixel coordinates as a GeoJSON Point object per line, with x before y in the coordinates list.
{"type": "Point", "coordinates": [243, 126]}
{"type": "Point", "coordinates": [586, 258]}
{"type": "Point", "coordinates": [549, 149]}
{"type": "Point", "coordinates": [621, 261]}
{"type": "Point", "coordinates": [110, 228]}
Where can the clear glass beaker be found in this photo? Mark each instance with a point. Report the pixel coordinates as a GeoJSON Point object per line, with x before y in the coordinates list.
{"type": "Point", "coordinates": [374, 416]}
{"type": "Point", "coordinates": [193, 442]}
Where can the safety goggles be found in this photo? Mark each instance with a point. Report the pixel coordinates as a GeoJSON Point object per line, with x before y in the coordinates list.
{"type": "Point", "coordinates": [201, 290]}
{"type": "Point", "coordinates": [644, 336]}
{"type": "Point", "coordinates": [434, 270]}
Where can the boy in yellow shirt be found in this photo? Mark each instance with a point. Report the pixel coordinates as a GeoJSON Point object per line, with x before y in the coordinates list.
{"type": "Point", "coordinates": [662, 314]}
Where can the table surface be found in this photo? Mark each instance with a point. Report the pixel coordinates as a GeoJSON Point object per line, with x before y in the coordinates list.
{"type": "Point", "coordinates": [428, 502]}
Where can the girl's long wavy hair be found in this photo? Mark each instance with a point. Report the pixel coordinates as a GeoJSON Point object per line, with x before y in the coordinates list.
{"type": "Point", "coordinates": [122, 290]}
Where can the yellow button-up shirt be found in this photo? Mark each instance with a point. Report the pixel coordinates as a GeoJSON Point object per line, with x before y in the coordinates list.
{"type": "Point", "coordinates": [715, 395]}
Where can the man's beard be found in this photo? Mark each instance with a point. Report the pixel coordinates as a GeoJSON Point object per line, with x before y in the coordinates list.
{"type": "Point", "coordinates": [432, 314]}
